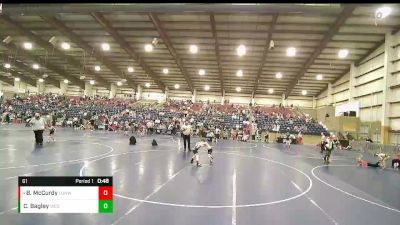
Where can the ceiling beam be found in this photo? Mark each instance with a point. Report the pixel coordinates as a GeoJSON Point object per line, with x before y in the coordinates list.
{"type": "Point", "coordinates": [47, 46]}
{"type": "Point", "coordinates": [358, 62]}
{"type": "Point", "coordinates": [64, 30]}
{"type": "Point", "coordinates": [215, 36]}
{"type": "Point", "coordinates": [340, 20]}
{"type": "Point", "coordinates": [157, 24]}
{"type": "Point", "coordinates": [280, 31]}
{"type": "Point", "coordinates": [7, 80]}
{"type": "Point", "coordinates": [20, 52]}
{"type": "Point", "coordinates": [265, 53]}
{"type": "Point", "coordinates": [128, 49]}
{"type": "Point", "coordinates": [52, 9]}
{"type": "Point", "coordinates": [369, 52]}
{"type": "Point", "coordinates": [377, 45]}
{"type": "Point", "coordinates": [232, 31]}
{"type": "Point", "coordinates": [35, 73]}
{"type": "Point", "coordinates": [23, 78]}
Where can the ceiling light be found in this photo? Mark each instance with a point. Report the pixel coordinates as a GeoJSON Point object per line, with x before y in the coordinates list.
{"type": "Point", "coordinates": [241, 50]}
{"type": "Point", "coordinates": [35, 66]}
{"type": "Point", "coordinates": [17, 79]}
{"type": "Point", "coordinates": [206, 87]}
{"type": "Point", "coordinates": [238, 89]}
{"type": "Point", "coordinates": [52, 40]}
{"type": "Point", "coordinates": [343, 53]}
{"type": "Point", "coordinates": [155, 41]}
{"type": "Point", "coordinates": [66, 81]}
{"type": "Point", "coordinates": [91, 82]}
{"type": "Point", "coordinates": [165, 71]}
{"type": "Point", "coordinates": [123, 80]}
{"type": "Point", "coordinates": [28, 45]}
{"type": "Point", "coordinates": [176, 86]}
{"type": "Point", "coordinates": [304, 92]}
{"type": "Point", "coordinates": [383, 12]}
{"type": "Point", "coordinates": [65, 46]}
{"type": "Point", "coordinates": [105, 47]}
{"type": "Point", "coordinates": [202, 72]}
{"type": "Point", "coordinates": [193, 49]}
{"type": "Point", "coordinates": [7, 65]}
{"type": "Point", "coordinates": [45, 75]}
{"type": "Point", "coordinates": [239, 73]}
{"type": "Point", "coordinates": [291, 51]}
{"type": "Point", "coordinates": [82, 77]}
{"type": "Point", "coordinates": [270, 91]}
{"type": "Point", "coordinates": [7, 40]}
{"type": "Point", "coordinates": [271, 45]}
{"type": "Point", "coordinates": [278, 75]}
{"type": "Point", "coordinates": [147, 85]}
{"type": "Point", "coordinates": [131, 69]}
{"type": "Point", "coordinates": [97, 68]}
{"type": "Point", "coordinates": [319, 77]}
{"type": "Point", "coordinates": [119, 83]}
{"type": "Point", "coordinates": [41, 80]}
{"type": "Point", "coordinates": [148, 47]}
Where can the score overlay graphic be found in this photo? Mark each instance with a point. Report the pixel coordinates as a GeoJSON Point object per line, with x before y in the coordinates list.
{"type": "Point", "coordinates": [65, 195]}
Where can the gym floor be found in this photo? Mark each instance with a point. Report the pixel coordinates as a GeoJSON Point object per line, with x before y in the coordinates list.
{"type": "Point", "coordinates": [249, 183]}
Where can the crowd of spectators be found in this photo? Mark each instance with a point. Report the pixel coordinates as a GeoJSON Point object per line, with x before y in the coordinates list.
{"type": "Point", "coordinates": [283, 120]}
{"type": "Point", "coordinates": [232, 121]}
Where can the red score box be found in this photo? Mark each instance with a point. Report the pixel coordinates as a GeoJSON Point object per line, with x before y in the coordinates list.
{"type": "Point", "coordinates": [105, 193]}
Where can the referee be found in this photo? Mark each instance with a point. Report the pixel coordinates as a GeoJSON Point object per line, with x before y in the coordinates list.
{"type": "Point", "coordinates": [38, 126]}
{"type": "Point", "coordinates": [186, 132]}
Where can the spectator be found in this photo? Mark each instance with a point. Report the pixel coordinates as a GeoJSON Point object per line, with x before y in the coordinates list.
{"type": "Point", "coordinates": [396, 162]}
{"type": "Point", "coordinates": [102, 112]}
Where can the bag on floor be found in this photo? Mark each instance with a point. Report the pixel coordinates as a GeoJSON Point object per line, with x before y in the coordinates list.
{"type": "Point", "coordinates": [154, 142]}
{"type": "Point", "coordinates": [132, 140]}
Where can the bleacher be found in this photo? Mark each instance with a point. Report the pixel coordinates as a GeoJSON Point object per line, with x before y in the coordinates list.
{"type": "Point", "coordinates": [288, 125]}
{"type": "Point", "coordinates": [210, 115]}
{"type": "Point", "coordinates": [280, 110]}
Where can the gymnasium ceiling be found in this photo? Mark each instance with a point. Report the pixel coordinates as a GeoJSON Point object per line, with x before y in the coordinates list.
{"type": "Point", "coordinates": [317, 32]}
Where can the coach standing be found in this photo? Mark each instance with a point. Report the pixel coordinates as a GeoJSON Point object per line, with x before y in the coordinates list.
{"type": "Point", "coordinates": [38, 126]}
{"type": "Point", "coordinates": [186, 132]}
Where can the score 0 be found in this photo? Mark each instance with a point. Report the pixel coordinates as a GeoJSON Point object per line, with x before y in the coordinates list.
{"type": "Point", "coordinates": [105, 199]}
